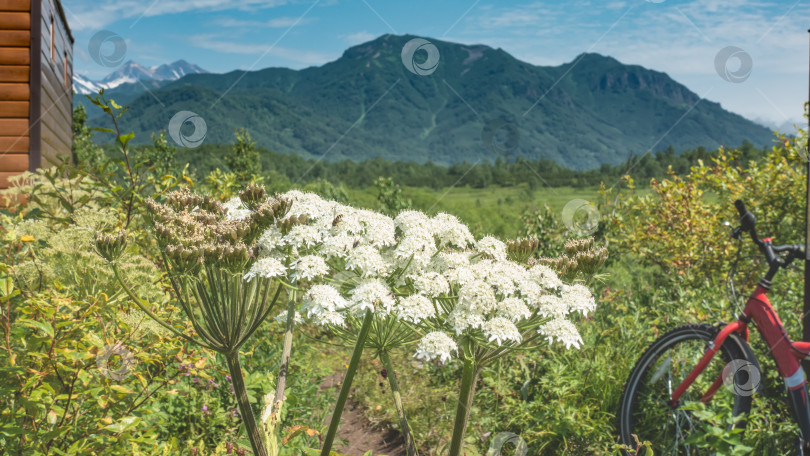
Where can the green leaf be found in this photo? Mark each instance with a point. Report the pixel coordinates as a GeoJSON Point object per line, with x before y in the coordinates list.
{"type": "Point", "coordinates": [84, 377]}
{"type": "Point", "coordinates": [41, 325]}
{"type": "Point", "coordinates": [6, 285]}
{"type": "Point", "coordinates": [126, 138]}
{"type": "Point", "coordinates": [123, 425]}
{"type": "Point", "coordinates": [10, 430]}
{"type": "Point", "coordinates": [121, 389]}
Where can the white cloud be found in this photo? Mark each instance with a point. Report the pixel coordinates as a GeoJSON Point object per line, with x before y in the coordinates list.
{"type": "Point", "coordinates": [359, 37]}
{"type": "Point", "coordinates": [260, 50]}
{"type": "Point", "coordinates": [90, 15]}
{"type": "Point", "coordinates": [535, 15]}
{"type": "Point", "coordinates": [277, 22]}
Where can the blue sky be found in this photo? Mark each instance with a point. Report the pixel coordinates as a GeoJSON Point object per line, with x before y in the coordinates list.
{"type": "Point", "coordinates": [681, 38]}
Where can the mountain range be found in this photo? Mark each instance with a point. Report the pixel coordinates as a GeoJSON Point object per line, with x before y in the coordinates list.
{"type": "Point", "coordinates": [476, 103]}
{"type": "Point", "coordinates": [132, 72]}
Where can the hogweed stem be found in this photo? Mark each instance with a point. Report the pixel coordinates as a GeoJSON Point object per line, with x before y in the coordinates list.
{"type": "Point", "coordinates": [469, 375]}
{"type": "Point", "coordinates": [242, 400]}
{"type": "Point", "coordinates": [403, 419]}
{"type": "Point", "coordinates": [347, 384]}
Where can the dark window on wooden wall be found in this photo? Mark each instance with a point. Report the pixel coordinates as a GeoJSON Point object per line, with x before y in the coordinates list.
{"type": "Point", "coordinates": [67, 72]}
{"type": "Point", "coordinates": [53, 39]}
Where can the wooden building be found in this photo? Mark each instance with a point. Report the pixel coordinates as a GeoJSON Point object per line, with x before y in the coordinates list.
{"type": "Point", "coordinates": [36, 85]}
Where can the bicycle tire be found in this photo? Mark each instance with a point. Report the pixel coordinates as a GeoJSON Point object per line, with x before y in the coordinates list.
{"type": "Point", "coordinates": [641, 421]}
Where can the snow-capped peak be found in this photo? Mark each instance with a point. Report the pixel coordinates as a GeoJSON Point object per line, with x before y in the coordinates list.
{"type": "Point", "coordinates": [131, 72]}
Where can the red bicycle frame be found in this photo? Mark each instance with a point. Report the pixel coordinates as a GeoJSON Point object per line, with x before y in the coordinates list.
{"type": "Point", "coordinates": [787, 354]}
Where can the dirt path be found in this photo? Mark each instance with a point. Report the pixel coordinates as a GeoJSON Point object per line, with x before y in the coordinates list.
{"type": "Point", "coordinates": [360, 435]}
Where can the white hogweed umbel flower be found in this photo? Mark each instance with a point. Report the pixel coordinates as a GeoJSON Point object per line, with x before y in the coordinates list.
{"type": "Point", "coordinates": [579, 299]}
{"type": "Point", "coordinates": [492, 248]}
{"type": "Point", "coordinates": [410, 221]}
{"type": "Point", "coordinates": [374, 295]}
{"type": "Point", "coordinates": [380, 229]}
{"type": "Point", "coordinates": [513, 309]}
{"type": "Point", "coordinates": [367, 260]}
{"type": "Point", "coordinates": [339, 245]}
{"type": "Point", "coordinates": [431, 283]}
{"type": "Point", "coordinates": [436, 345]}
{"type": "Point", "coordinates": [501, 330]}
{"type": "Point", "coordinates": [552, 306]}
{"type": "Point", "coordinates": [415, 308]}
{"type": "Point", "coordinates": [267, 268]}
{"type": "Point", "coordinates": [303, 236]}
{"type": "Point", "coordinates": [461, 320]}
{"type": "Point", "coordinates": [270, 240]}
{"type": "Point", "coordinates": [450, 231]}
{"type": "Point", "coordinates": [309, 267]}
{"type": "Point", "coordinates": [561, 330]}
{"type": "Point", "coordinates": [477, 297]}
{"type": "Point", "coordinates": [322, 299]}
{"type": "Point", "coordinates": [428, 273]}
{"type": "Point", "coordinates": [546, 277]}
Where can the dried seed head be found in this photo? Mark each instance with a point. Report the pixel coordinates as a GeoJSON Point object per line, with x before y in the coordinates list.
{"type": "Point", "coordinates": [253, 195]}
{"type": "Point", "coordinates": [235, 257]}
{"type": "Point", "coordinates": [111, 246]}
{"type": "Point", "coordinates": [521, 250]}
{"type": "Point", "coordinates": [573, 246]}
{"type": "Point", "coordinates": [286, 225]}
{"type": "Point", "coordinates": [281, 205]}
{"type": "Point", "coordinates": [185, 260]}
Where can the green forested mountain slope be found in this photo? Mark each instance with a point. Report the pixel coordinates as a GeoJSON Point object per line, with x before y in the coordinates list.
{"type": "Point", "coordinates": [365, 104]}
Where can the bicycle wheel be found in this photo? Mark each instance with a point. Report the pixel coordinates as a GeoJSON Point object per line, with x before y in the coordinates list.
{"type": "Point", "coordinates": [644, 410]}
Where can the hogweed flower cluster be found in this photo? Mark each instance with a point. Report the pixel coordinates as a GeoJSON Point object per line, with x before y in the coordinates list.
{"type": "Point", "coordinates": [206, 247]}
{"type": "Point", "coordinates": [421, 279]}
{"type": "Point", "coordinates": [428, 272]}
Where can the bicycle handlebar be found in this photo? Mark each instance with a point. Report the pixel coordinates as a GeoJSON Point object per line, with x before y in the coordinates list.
{"type": "Point", "coordinates": [748, 224]}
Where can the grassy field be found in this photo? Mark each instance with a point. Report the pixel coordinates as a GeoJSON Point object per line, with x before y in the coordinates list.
{"type": "Point", "coordinates": [491, 210]}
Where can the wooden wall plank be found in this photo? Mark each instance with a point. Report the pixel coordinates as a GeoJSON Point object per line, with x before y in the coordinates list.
{"type": "Point", "coordinates": [13, 127]}
{"type": "Point", "coordinates": [15, 56]}
{"type": "Point", "coordinates": [46, 9]}
{"type": "Point", "coordinates": [15, 5]}
{"type": "Point", "coordinates": [56, 135]}
{"type": "Point", "coordinates": [19, 38]}
{"type": "Point", "coordinates": [13, 92]}
{"type": "Point", "coordinates": [14, 162]}
{"type": "Point", "coordinates": [53, 85]}
{"type": "Point", "coordinates": [14, 144]}
{"type": "Point", "coordinates": [15, 21]}
{"type": "Point", "coordinates": [14, 109]}
{"type": "Point", "coordinates": [14, 73]}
